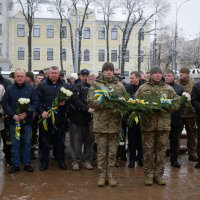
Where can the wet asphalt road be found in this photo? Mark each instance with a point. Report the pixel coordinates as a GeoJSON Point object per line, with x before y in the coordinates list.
{"type": "Point", "coordinates": [55, 184]}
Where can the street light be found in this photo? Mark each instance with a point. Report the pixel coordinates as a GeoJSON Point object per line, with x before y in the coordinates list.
{"type": "Point", "coordinates": [176, 35]}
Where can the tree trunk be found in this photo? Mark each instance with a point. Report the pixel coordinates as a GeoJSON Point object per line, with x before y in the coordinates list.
{"type": "Point", "coordinates": [30, 49]}
{"type": "Point", "coordinates": [61, 50]}
{"type": "Point", "coordinates": [139, 52]}
{"type": "Point", "coordinates": [107, 43]}
{"type": "Point", "coordinates": [79, 50]}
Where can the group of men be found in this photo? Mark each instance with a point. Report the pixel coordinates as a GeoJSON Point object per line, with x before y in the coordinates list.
{"type": "Point", "coordinates": [89, 123]}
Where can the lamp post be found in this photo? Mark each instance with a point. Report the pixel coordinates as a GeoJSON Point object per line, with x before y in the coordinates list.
{"type": "Point", "coordinates": [176, 35]}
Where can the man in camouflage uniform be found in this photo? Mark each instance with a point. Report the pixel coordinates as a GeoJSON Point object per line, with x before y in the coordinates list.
{"type": "Point", "coordinates": [155, 128]}
{"type": "Point", "coordinates": [106, 125]}
{"type": "Point", "coordinates": [188, 115]}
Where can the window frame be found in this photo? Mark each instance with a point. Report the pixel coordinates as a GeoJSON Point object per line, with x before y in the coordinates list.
{"type": "Point", "coordinates": [86, 54]}
{"type": "Point", "coordinates": [114, 32]}
{"type": "Point", "coordinates": [102, 54]}
{"type": "Point", "coordinates": [49, 56]}
{"type": "Point", "coordinates": [34, 50]}
{"type": "Point", "coordinates": [113, 54]}
{"type": "Point", "coordinates": [20, 50]}
{"type": "Point", "coordinates": [50, 28]}
{"type": "Point", "coordinates": [64, 31]}
{"type": "Point", "coordinates": [22, 29]}
{"type": "Point", "coordinates": [101, 30]}
{"type": "Point", "coordinates": [34, 29]}
{"type": "Point", "coordinates": [86, 32]}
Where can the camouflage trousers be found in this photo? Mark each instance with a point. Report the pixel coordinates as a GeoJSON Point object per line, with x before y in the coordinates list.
{"type": "Point", "coordinates": [107, 144]}
{"type": "Point", "coordinates": [190, 126]}
{"type": "Point", "coordinates": [154, 151]}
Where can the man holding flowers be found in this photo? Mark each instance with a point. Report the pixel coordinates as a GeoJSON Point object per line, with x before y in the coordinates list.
{"type": "Point", "coordinates": [20, 102]}
{"type": "Point", "coordinates": [52, 125]}
{"type": "Point", "coordinates": [106, 124]}
{"type": "Point", "coordinates": [155, 127]}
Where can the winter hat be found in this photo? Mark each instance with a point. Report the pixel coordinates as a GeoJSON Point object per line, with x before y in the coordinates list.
{"type": "Point", "coordinates": [155, 70]}
{"type": "Point", "coordinates": [185, 70]}
{"type": "Point", "coordinates": [108, 66]}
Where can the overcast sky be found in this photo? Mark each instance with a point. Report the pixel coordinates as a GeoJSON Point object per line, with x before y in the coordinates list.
{"type": "Point", "coordinates": [188, 17]}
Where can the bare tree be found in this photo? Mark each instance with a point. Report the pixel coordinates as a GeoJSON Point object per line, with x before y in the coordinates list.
{"type": "Point", "coordinates": [108, 9]}
{"type": "Point", "coordinates": [29, 7]}
{"type": "Point", "coordinates": [59, 5]}
{"type": "Point", "coordinates": [134, 9]}
{"type": "Point", "coordinates": [159, 10]}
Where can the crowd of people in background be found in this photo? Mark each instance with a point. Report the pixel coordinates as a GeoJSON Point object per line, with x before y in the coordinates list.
{"type": "Point", "coordinates": [96, 132]}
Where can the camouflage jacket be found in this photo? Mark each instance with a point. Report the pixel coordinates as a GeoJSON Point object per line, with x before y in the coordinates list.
{"type": "Point", "coordinates": [188, 110]}
{"type": "Point", "coordinates": [159, 121]}
{"type": "Point", "coordinates": [104, 120]}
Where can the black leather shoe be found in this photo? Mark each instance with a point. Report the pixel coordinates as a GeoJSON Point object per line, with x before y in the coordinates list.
{"type": "Point", "coordinates": [175, 164]}
{"type": "Point", "coordinates": [14, 169]}
{"type": "Point", "coordinates": [28, 168]}
{"type": "Point", "coordinates": [62, 166]}
{"type": "Point", "coordinates": [43, 166]}
{"type": "Point", "coordinates": [193, 158]}
{"type": "Point", "coordinates": [197, 166]}
{"type": "Point", "coordinates": [131, 164]}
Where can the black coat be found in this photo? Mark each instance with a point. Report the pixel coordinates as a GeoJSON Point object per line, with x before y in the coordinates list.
{"type": "Point", "coordinates": [47, 92]}
{"type": "Point", "coordinates": [195, 97]}
{"type": "Point", "coordinates": [131, 89]}
{"type": "Point", "coordinates": [78, 110]}
{"type": "Point", "coordinates": [13, 93]}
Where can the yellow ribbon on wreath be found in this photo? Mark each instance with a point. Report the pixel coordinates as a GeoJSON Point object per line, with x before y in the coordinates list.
{"type": "Point", "coordinates": [101, 94]}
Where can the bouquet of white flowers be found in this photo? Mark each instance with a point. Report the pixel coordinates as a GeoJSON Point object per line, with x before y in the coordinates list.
{"type": "Point", "coordinates": [22, 106]}
{"type": "Point", "coordinates": [186, 97]}
{"type": "Point", "coordinates": [62, 95]}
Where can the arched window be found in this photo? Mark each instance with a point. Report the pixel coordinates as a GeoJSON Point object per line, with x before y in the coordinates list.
{"type": "Point", "coordinates": [86, 55]}
{"type": "Point", "coordinates": [86, 33]}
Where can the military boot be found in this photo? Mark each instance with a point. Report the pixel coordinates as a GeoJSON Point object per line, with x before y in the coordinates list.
{"type": "Point", "coordinates": [148, 180]}
{"type": "Point", "coordinates": [112, 181]}
{"type": "Point", "coordinates": [101, 182]}
{"type": "Point", "coordinates": [160, 180]}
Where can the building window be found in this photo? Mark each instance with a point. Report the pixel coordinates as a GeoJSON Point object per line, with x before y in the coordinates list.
{"type": "Point", "coordinates": [113, 55]}
{"type": "Point", "coordinates": [101, 33]}
{"type": "Point", "coordinates": [63, 31]}
{"type": "Point", "coordinates": [127, 56]}
{"type": "Point", "coordinates": [86, 55]}
{"type": "Point", "coordinates": [36, 31]}
{"type": "Point", "coordinates": [36, 53]}
{"type": "Point", "coordinates": [1, 29]}
{"type": "Point", "coordinates": [50, 31]}
{"type": "Point", "coordinates": [86, 33]}
{"type": "Point", "coordinates": [64, 54]}
{"type": "Point", "coordinates": [21, 53]}
{"type": "Point", "coordinates": [114, 33]}
{"type": "Point", "coordinates": [101, 55]}
{"type": "Point", "coordinates": [50, 54]}
{"type": "Point", "coordinates": [141, 34]}
{"type": "Point", "coordinates": [0, 8]}
{"type": "Point", "coordinates": [20, 30]}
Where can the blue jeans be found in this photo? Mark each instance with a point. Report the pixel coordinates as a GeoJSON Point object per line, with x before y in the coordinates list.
{"type": "Point", "coordinates": [26, 139]}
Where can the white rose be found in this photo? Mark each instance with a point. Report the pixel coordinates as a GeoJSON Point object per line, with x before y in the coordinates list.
{"type": "Point", "coordinates": [21, 100]}
{"type": "Point", "coordinates": [27, 101]}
